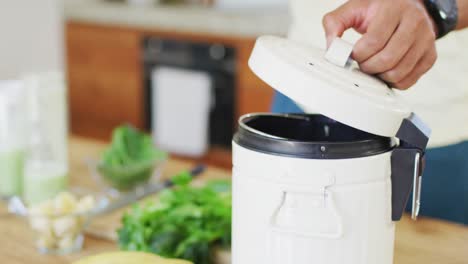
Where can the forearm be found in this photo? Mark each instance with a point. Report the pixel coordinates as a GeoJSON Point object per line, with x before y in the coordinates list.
{"type": "Point", "coordinates": [462, 14]}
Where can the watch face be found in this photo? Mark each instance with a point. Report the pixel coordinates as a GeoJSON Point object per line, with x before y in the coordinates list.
{"type": "Point", "coordinates": [444, 6]}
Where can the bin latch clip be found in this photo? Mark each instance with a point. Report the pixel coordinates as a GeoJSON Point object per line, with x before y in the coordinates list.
{"type": "Point", "coordinates": [407, 169]}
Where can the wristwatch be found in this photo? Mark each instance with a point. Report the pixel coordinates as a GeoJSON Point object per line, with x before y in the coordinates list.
{"type": "Point", "coordinates": [444, 13]}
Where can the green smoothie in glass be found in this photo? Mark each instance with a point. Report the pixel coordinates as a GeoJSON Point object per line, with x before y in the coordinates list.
{"type": "Point", "coordinates": [11, 172]}
{"type": "Point", "coordinates": [43, 180]}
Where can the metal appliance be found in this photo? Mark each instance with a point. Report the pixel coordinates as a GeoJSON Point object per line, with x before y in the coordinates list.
{"type": "Point", "coordinates": [215, 59]}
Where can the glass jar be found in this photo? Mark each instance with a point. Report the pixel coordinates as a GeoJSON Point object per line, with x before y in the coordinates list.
{"type": "Point", "coordinates": [46, 165]}
{"type": "Point", "coordinates": [12, 138]}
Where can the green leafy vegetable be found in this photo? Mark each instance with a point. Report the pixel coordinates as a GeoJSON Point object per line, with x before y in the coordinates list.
{"type": "Point", "coordinates": [187, 222]}
{"type": "Point", "coordinates": [130, 158]}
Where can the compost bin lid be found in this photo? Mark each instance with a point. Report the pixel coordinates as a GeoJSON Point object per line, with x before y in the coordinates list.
{"type": "Point", "coordinates": [330, 83]}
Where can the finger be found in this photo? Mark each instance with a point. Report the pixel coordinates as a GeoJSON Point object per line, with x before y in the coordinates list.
{"type": "Point", "coordinates": [424, 65]}
{"type": "Point", "coordinates": [396, 48]}
{"type": "Point", "coordinates": [339, 20]}
{"type": "Point", "coordinates": [381, 27]}
{"type": "Point", "coordinates": [407, 64]}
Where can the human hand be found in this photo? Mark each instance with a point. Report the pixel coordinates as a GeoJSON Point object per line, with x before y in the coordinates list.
{"type": "Point", "coordinates": [398, 37]}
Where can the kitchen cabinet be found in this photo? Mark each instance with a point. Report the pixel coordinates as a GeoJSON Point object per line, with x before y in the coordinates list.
{"type": "Point", "coordinates": [105, 79]}
{"type": "Point", "coordinates": [106, 82]}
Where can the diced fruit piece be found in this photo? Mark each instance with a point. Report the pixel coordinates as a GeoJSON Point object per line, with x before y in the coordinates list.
{"type": "Point", "coordinates": [58, 221]}
{"type": "Point", "coordinates": [64, 225]}
{"type": "Point", "coordinates": [85, 204]}
{"type": "Point", "coordinates": [66, 242]}
{"type": "Point", "coordinates": [65, 203]}
{"type": "Point", "coordinates": [40, 224]}
{"type": "Point", "coordinates": [46, 242]}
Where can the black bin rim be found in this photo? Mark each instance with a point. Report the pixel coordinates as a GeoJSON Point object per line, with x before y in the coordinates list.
{"type": "Point", "coordinates": [308, 137]}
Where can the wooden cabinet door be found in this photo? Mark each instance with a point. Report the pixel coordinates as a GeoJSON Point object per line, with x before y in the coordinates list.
{"type": "Point", "coordinates": [253, 94]}
{"type": "Point", "coordinates": [105, 79]}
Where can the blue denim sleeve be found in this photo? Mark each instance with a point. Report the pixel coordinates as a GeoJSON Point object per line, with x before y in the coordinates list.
{"type": "Point", "coordinates": [283, 104]}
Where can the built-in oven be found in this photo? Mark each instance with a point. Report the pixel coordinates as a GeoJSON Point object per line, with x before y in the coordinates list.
{"type": "Point", "coordinates": [184, 60]}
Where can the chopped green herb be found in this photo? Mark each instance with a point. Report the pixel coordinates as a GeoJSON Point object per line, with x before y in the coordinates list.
{"type": "Point", "coordinates": [186, 222]}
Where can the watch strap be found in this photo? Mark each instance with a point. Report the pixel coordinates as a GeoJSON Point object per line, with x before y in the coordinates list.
{"type": "Point", "coordinates": [444, 13]}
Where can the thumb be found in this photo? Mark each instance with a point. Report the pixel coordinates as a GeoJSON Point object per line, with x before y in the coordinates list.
{"type": "Point", "coordinates": [336, 22]}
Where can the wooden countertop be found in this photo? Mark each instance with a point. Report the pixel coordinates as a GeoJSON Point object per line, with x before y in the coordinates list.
{"type": "Point", "coordinates": [424, 242]}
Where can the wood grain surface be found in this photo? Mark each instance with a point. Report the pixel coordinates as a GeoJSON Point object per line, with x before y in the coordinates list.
{"type": "Point", "coordinates": [427, 241]}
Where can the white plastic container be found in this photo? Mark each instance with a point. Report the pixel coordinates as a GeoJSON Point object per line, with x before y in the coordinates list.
{"type": "Point", "coordinates": [309, 189]}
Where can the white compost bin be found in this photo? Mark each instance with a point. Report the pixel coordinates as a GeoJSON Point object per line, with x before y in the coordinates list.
{"type": "Point", "coordinates": [327, 188]}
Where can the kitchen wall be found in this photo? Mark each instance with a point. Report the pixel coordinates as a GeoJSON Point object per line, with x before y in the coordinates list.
{"type": "Point", "coordinates": [249, 4]}
{"type": "Point", "coordinates": [31, 37]}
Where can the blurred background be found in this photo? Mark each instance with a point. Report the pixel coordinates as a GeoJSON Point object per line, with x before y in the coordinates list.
{"type": "Point", "coordinates": [95, 93]}
{"type": "Point", "coordinates": [80, 80]}
{"type": "Point", "coordinates": [175, 68]}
